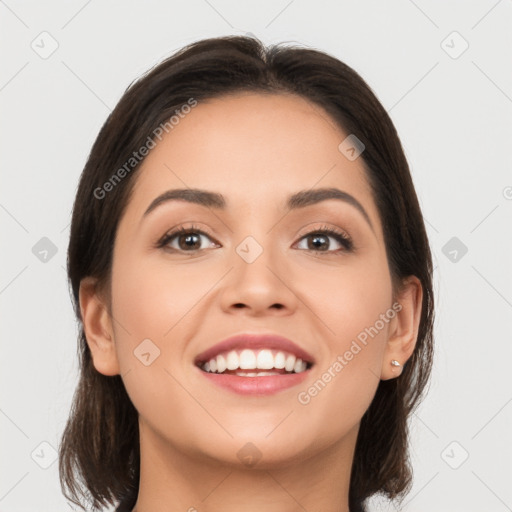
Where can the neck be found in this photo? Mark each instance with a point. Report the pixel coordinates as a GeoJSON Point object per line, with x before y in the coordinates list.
{"type": "Point", "coordinates": [173, 480]}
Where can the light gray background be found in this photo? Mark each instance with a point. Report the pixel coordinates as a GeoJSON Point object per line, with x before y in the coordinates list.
{"type": "Point", "coordinates": [453, 114]}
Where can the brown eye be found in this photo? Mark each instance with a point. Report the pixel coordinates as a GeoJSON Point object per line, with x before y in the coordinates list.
{"type": "Point", "coordinates": [319, 240]}
{"type": "Point", "coordinates": [189, 241]}
{"type": "Point", "coordinates": [185, 240]}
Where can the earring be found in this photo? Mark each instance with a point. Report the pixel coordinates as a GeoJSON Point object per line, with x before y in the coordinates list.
{"type": "Point", "coordinates": [396, 366]}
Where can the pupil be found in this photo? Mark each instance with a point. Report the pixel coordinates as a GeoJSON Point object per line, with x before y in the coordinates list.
{"type": "Point", "coordinates": [316, 238]}
{"type": "Point", "coordinates": [190, 239]}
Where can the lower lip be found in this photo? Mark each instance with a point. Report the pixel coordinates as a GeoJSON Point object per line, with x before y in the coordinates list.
{"type": "Point", "coordinates": [264, 385]}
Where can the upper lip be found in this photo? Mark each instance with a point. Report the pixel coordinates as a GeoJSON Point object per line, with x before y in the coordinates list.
{"type": "Point", "coordinates": [254, 341]}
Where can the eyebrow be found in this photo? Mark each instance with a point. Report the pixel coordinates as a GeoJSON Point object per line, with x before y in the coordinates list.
{"type": "Point", "coordinates": [217, 201]}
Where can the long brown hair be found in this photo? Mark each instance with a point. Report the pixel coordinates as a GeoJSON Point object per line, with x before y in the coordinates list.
{"type": "Point", "coordinates": [99, 455]}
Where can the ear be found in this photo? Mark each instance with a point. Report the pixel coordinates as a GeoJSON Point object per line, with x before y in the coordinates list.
{"type": "Point", "coordinates": [98, 330]}
{"type": "Point", "coordinates": [403, 331]}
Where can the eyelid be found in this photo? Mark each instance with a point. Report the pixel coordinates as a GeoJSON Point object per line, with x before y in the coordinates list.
{"type": "Point", "coordinates": [323, 226]}
{"type": "Point", "coordinates": [331, 231]}
{"type": "Point", "coordinates": [182, 228]}
{"type": "Point", "coordinates": [336, 232]}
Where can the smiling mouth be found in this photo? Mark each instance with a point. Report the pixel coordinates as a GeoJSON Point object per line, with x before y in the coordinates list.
{"type": "Point", "coordinates": [255, 363]}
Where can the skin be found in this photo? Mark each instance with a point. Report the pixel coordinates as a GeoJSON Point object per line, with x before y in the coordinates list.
{"type": "Point", "coordinates": [256, 150]}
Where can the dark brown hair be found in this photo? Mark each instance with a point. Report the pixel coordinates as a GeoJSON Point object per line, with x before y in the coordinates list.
{"type": "Point", "coordinates": [99, 454]}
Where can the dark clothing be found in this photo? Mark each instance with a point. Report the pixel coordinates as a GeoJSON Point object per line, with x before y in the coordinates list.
{"type": "Point", "coordinates": [126, 504]}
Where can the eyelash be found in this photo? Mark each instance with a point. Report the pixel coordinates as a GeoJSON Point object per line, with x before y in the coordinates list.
{"type": "Point", "coordinates": [339, 235]}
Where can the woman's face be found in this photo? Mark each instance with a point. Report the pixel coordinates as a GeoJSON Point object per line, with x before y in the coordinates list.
{"type": "Point", "coordinates": [255, 270]}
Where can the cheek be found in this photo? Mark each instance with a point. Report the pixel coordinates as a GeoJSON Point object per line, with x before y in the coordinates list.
{"type": "Point", "coordinates": [150, 320]}
{"type": "Point", "coordinates": [149, 305]}
{"type": "Point", "coordinates": [347, 299]}
{"type": "Point", "coordinates": [151, 298]}
{"type": "Point", "coordinates": [354, 308]}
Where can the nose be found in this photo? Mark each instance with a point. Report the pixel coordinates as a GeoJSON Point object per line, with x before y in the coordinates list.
{"type": "Point", "coordinates": [260, 287]}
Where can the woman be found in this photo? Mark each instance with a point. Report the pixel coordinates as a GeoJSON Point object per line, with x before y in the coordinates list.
{"type": "Point", "coordinates": [253, 281]}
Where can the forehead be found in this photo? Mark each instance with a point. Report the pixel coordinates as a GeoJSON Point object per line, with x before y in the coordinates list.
{"type": "Point", "coordinates": [252, 147]}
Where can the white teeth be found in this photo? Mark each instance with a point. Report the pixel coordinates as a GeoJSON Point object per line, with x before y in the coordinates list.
{"type": "Point", "coordinates": [290, 363]}
{"type": "Point", "coordinates": [279, 360]}
{"type": "Point", "coordinates": [255, 360]}
{"type": "Point", "coordinates": [247, 360]}
{"type": "Point", "coordinates": [265, 360]}
{"type": "Point", "coordinates": [255, 374]}
{"type": "Point", "coordinates": [232, 361]}
{"type": "Point", "coordinates": [299, 366]}
{"type": "Point", "coordinates": [221, 363]}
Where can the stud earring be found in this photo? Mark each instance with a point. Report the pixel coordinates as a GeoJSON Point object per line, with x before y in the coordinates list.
{"type": "Point", "coordinates": [394, 362]}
